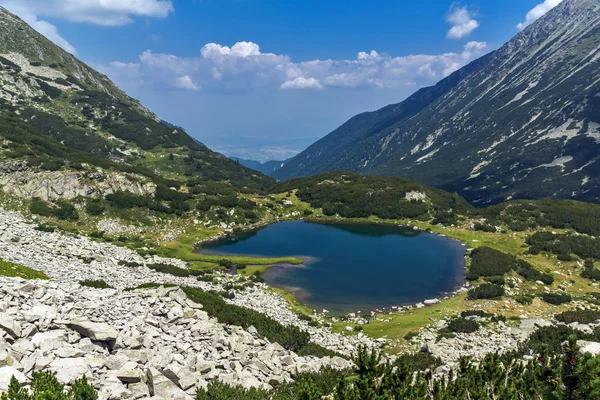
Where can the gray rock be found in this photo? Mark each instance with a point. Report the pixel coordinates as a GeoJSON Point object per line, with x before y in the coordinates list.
{"type": "Point", "coordinates": [95, 331]}
{"type": "Point", "coordinates": [69, 369]}
{"type": "Point", "coordinates": [8, 324]}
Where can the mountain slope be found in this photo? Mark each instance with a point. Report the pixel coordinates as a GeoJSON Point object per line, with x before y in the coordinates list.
{"type": "Point", "coordinates": [521, 122]}
{"type": "Point", "coordinates": [267, 167]}
{"type": "Point", "coordinates": [56, 113]}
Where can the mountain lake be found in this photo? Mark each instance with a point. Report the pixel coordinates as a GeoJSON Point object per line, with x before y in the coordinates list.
{"type": "Point", "coordinates": [350, 267]}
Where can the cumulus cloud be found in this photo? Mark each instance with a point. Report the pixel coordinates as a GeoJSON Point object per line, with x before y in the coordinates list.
{"type": "Point", "coordinates": [462, 22]}
{"type": "Point", "coordinates": [537, 12]}
{"type": "Point", "coordinates": [99, 12]}
{"type": "Point", "coordinates": [244, 66]}
{"type": "Point", "coordinates": [302, 83]}
{"type": "Point", "coordinates": [186, 82]}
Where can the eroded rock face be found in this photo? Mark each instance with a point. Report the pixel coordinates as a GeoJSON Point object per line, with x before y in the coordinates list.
{"type": "Point", "coordinates": [18, 179]}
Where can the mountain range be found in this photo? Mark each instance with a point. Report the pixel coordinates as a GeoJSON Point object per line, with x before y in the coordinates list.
{"type": "Point", "coordinates": [520, 122]}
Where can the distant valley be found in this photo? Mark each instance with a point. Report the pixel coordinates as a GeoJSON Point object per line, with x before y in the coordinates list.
{"type": "Point", "coordinates": [266, 167]}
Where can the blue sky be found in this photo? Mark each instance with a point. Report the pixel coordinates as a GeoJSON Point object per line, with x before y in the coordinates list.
{"type": "Point", "coordinates": [265, 78]}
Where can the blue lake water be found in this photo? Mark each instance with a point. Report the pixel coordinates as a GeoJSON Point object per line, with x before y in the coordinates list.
{"type": "Point", "coordinates": [353, 267]}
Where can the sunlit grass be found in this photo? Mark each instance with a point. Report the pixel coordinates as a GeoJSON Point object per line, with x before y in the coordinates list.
{"type": "Point", "coordinates": [13, 270]}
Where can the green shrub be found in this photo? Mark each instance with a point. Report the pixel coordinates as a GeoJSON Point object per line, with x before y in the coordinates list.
{"type": "Point", "coordinates": [473, 313]}
{"type": "Point", "coordinates": [498, 280]}
{"type": "Point", "coordinates": [556, 298]}
{"type": "Point", "coordinates": [580, 316]}
{"type": "Point", "coordinates": [484, 227]}
{"type": "Point", "coordinates": [94, 207]}
{"type": "Point", "coordinates": [98, 284]}
{"type": "Point", "coordinates": [486, 261]}
{"type": "Point", "coordinates": [462, 325]}
{"type": "Point", "coordinates": [525, 300]}
{"type": "Point", "coordinates": [418, 361]}
{"type": "Point", "coordinates": [315, 350]}
{"type": "Point", "coordinates": [45, 228]}
{"type": "Point", "coordinates": [527, 271]}
{"type": "Point", "coordinates": [169, 269]}
{"type": "Point", "coordinates": [97, 234]}
{"type": "Point", "coordinates": [410, 335]}
{"type": "Point", "coordinates": [551, 338]}
{"type": "Point", "coordinates": [45, 386]}
{"type": "Point", "coordinates": [290, 337]}
{"type": "Point", "coordinates": [472, 277]}
{"type": "Point", "coordinates": [445, 334]}
{"type": "Point", "coordinates": [591, 273]}
{"type": "Point", "coordinates": [130, 264]}
{"type": "Point", "coordinates": [65, 211]}
{"type": "Point", "coordinates": [217, 390]}
{"type": "Point", "coordinates": [486, 291]}
{"type": "Point", "coordinates": [150, 285]}
{"type": "Point", "coordinates": [51, 91]}
{"type": "Point", "coordinates": [563, 245]}
{"type": "Point", "coordinates": [40, 207]}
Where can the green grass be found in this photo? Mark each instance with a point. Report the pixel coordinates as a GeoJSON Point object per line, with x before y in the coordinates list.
{"type": "Point", "coordinates": [294, 303]}
{"type": "Point", "coordinates": [20, 271]}
{"type": "Point", "coordinates": [410, 321]}
{"type": "Point", "coordinates": [184, 249]}
{"type": "Point", "coordinates": [246, 260]}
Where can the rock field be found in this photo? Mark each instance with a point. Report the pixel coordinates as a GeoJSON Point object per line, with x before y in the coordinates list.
{"type": "Point", "coordinates": [134, 344]}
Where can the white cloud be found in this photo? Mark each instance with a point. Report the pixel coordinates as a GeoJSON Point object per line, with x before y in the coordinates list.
{"type": "Point", "coordinates": [537, 12]}
{"type": "Point", "coordinates": [186, 82]}
{"type": "Point", "coordinates": [302, 83]}
{"type": "Point", "coordinates": [462, 22]}
{"type": "Point", "coordinates": [244, 67]}
{"type": "Point", "coordinates": [99, 12]}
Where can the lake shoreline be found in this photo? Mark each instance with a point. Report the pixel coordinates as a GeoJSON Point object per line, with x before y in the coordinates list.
{"type": "Point", "coordinates": [460, 282]}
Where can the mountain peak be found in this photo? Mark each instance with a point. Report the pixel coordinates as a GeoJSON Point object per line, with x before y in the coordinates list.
{"type": "Point", "coordinates": [521, 122]}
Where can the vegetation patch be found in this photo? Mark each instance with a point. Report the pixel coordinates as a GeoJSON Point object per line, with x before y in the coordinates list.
{"type": "Point", "coordinates": [563, 245]}
{"type": "Point", "coordinates": [527, 271]}
{"type": "Point", "coordinates": [63, 210]}
{"type": "Point", "coordinates": [98, 284]}
{"type": "Point", "coordinates": [354, 196]}
{"type": "Point", "coordinates": [150, 285]}
{"type": "Point", "coordinates": [580, 316]}
{"type": "Point", "coordinates": [45, 386]}
{"type": "Point", "coordinates": [290, 337]}
{"type": "Point", "coordinates": [13, 270]}
{"type": "Point", "coordinates": [486, 291]}
{"type": "Point", "coordinates": [486, 261]}
{"type": "Point", "coordinates": [463, 325]}
{"type": "Point", "coordinates": [169, 269]}
{"type": "Point", "coordinates": [418, 361]}
{"type": "Point", "coordinates": [556, 298]}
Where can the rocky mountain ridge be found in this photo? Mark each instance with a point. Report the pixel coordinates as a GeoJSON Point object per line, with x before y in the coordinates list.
{"type": "Point", "coordinates": [521, 122]}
